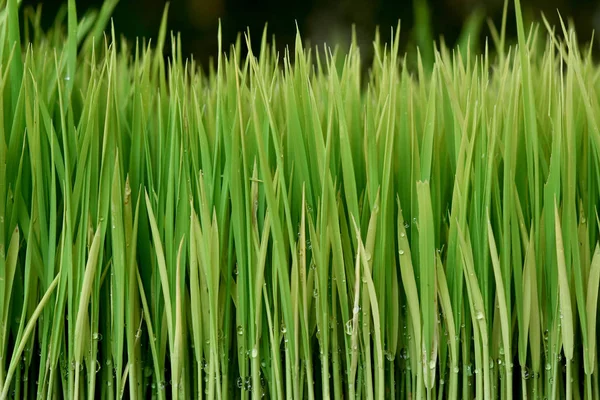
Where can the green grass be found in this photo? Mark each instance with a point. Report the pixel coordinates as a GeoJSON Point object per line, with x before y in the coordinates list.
{"type": "Point", "coordinates": [281, 226]}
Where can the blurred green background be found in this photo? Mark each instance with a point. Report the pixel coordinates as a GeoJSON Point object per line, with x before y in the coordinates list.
{"type": "Point", "coordinates": [321, 21]}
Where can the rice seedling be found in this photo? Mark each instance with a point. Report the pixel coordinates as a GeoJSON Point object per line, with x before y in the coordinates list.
{"type": "Point", "coordinates": [281, 226]}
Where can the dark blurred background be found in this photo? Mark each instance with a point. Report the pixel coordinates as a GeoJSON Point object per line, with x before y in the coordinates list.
{"type": "Point", "coordinates": [319, 21]}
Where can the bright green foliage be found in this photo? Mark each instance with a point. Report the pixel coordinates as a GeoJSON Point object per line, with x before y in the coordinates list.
{"type": "Point", "coordinates": [285, 227]}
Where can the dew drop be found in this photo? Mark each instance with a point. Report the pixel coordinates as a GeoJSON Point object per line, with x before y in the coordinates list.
{"type": "Point", "coordinates": [248, 384]}
{"type": "Point", "coordinates": [349, 328]}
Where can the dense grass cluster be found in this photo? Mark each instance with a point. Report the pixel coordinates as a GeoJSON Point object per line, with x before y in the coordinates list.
{"type": "Point", "coordinates": [283, 226]}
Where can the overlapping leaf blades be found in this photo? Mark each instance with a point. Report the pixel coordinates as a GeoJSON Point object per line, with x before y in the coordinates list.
{"type": "Point", "coordinates": [282, 227]}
